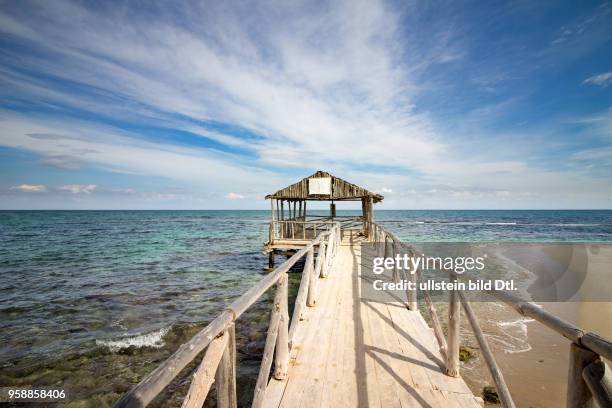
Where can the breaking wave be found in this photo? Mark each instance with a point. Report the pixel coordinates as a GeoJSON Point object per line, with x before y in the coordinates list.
{"type": "Point", "coordinates": [154, 339]}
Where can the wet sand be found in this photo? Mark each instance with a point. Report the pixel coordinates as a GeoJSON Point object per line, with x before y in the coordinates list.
{"type": "Point", "coordinates": [536, 368]}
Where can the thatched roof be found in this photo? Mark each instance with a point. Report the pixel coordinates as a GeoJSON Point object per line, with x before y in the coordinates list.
{"type": "Point", "coordinates": [340, 190]}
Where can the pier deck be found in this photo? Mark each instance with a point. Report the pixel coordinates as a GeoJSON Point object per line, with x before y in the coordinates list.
{"type": "Point", "coordinates": [350, 352]}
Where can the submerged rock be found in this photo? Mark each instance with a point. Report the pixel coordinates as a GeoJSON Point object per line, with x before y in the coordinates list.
{"type": "Point", "coordinates": [489, 394]}
{"type": "Point", "coordinates": [466, 353]}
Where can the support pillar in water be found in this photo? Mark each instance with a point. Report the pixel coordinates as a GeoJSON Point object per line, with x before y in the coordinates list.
{"type": "Point", "coordinates": [271, 260]}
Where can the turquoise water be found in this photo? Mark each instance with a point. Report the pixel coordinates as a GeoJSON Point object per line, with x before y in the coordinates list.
{"type": "Point", "coordinates": [93, 300]}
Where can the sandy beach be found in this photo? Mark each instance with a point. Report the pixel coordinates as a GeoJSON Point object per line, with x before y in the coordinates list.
{"type": "Point", "coordinates": [533, 358]}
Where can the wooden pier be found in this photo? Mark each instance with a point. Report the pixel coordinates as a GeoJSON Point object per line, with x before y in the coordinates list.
{"type": "Point", "coordinates": [336, 349]}
{"type": "Point", "coordinates": [353, 353]}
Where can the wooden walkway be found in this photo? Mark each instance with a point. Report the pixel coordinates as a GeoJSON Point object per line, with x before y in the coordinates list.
{"type": "Point", "coordinates": [350, 352]}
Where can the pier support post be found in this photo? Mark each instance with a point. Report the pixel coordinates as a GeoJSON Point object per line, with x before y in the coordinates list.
{"type": "Point", "coordinates": [578, 393]}
{"type": "Point", "coordinates": [226, 373]}
{"type": "Point", "coordinates": [454, 314]}
{"type": "Point", "coordinates": [412, 294]}
{"type": "Point", "coordinates": [271, 260]}
{"type": "Point", "coordinates": [281, 364]}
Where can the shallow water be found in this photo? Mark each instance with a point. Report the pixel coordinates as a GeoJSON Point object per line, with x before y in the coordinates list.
{"type": "Point", "coordinates": [93, 300]}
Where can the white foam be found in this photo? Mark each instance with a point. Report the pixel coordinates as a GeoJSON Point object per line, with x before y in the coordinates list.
{"type": "Point", "coordinates": [154, 339]}
{"type": "Point", "coordinates": [515, 341]}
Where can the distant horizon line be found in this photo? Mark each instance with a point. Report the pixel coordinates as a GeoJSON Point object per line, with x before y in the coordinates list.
{"type": "Point", "coordinates": [323, 209]}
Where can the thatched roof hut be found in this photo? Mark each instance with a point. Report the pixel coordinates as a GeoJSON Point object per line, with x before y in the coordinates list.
{"type": "Point", "coordinates": [323, 186]}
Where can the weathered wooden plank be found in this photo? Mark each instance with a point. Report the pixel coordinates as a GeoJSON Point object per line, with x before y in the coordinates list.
{"type": "Point", "coordinates": [281, 358]}
{"type": "Point", "coordinates": [266, 361]}
{"type": "Point", "coordinates": [333, 394]}
{"type": "Point", "coordinates": [226, 373]}
{"type": "Point", "coordinates": [204, 376]}
{"type": "Point", "coordinates": [309, 347]}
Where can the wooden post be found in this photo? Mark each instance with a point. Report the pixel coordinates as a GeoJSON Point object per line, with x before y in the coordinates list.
{"type": "Point", "coordinates": [454, 314]}
{"type": "Point", "coordinates": [226, 373]}
{"type": "Point", "coordinates": [266, 360]}
{"type": "Point", "coordinates": [283, 228]}
{"type": "Point", "coordinates": [598, 379]}
{"type": "Point", "coordinates": [271, 260]}
{"type": "Point", "coordinates": [578, 394]}
{"type": "Point", "coordinates": [413, 294]}
{"type": "Point", "coordinates": [370, 216]}
{"type": "Point", "coordinates": [329, 255]}
{"type": "Point", "coordinates": [332, 211]}
{"type": "Point", "coordinates": [388, 252]}
{"type": "Point", "coordinates": [205, 374]}
{"type": "Point", "coordinates": [323, 260]}
{"type": "Point", "coordinates": [281, 365]}
{"type": "Point", "coordinates": [300, 299]}
{"type": "Point", "coordinates": [314, 280]}
{"type": "Point", "coordinates": [436, 324]}
{"type": "Point", "coordinates": [363, 215]}
{"type": "Point", "coordinates": [394, 252]}
{"type": "Point", "coordinates": [496, 374]}
{"type": "Point", "coordinates": [272, 216]}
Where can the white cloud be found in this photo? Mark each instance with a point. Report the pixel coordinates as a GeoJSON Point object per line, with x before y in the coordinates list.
{"type": "Point", "coordinates": [602, 80]}
{"type": "Point", "coordinates": [30, 188]}
{"type": "Point", "coordinates": [386, 190]}
{"type": "Point", "coordinates": [234, 196]}
{"type": "Point", "coordinates": [63, 162]}
{"type": "Point", "coordinates": [79, 188]}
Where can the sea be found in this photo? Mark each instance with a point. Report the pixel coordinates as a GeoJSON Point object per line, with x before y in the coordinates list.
{"type": "Point", "coordinates": [91, 301]}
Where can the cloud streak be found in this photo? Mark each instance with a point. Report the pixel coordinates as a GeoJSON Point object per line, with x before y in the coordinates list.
{"type": "Point", "coordinates": [78, 188]}
{"type": "Point", "coordinates": [30, 188]}
{"type": "Point", "coordinates": [602, 80]}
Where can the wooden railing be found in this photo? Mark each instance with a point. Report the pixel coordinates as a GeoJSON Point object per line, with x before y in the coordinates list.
{"type": "Point", "coordinates": [307, 228]}
{"type": "Point", "coordinates": [218, 338]}
{"type": "Point", "coordinates": [589, 377]}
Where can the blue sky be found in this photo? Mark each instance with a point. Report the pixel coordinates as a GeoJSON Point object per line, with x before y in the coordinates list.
{"type": "Point", "coordinates": [213, 105]}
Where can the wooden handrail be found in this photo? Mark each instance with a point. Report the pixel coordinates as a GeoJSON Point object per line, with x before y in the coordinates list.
{"type": "Point", "coordinates": [496, 374]}
{"type": "Point", "coordinates": [586, 349]}
{"type": "Point", "coordinates": [146, 390]}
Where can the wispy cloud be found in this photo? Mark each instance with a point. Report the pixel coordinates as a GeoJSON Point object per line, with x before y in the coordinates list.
{"type": "Point", "coordinates": [234, 196]}
{"type": "Point", "coordinates": [602, 80]}
{"type": "Point", "coordinates": [78, 188]}
{"type": "Point", "coordinates": [30, 188]}
{"type": "Point", "coordinates": [63, 162]}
